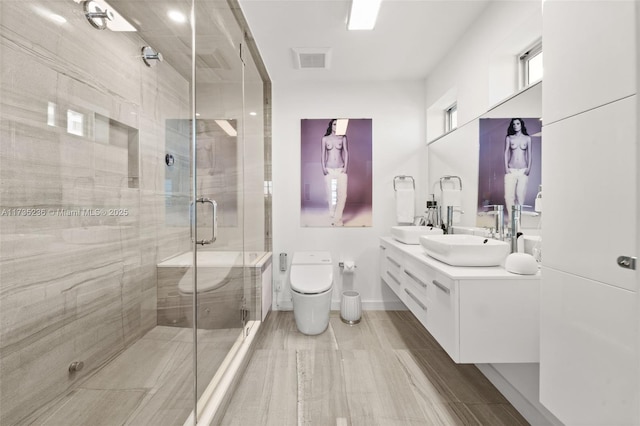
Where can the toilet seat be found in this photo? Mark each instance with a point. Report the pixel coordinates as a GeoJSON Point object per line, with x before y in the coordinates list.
{"type": "Point", "coordinates": [311, 279]}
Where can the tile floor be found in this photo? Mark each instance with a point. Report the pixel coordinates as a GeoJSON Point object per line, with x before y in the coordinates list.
{"type": "Point", "coordinates": [387, 370]}
{"type": "Point", "coordinates": [150, 383]}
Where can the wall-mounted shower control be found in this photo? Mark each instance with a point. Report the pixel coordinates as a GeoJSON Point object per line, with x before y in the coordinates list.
{"type": "Point", "coordinates": [76, 366]}
{"type": "Point", "coordinates": [627, 262]}
{"type": "Point", "coordinates": [150, 56]}
{"type": "Point", "coordinates": [169, 159]}
{"type": "Point", "coordinates": [283, 262]}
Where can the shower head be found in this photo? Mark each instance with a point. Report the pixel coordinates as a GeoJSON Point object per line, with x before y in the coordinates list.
{"type": "Point", "coordinates": [97, 16]}
{"type": "Point", "coordinates": [150, 56]}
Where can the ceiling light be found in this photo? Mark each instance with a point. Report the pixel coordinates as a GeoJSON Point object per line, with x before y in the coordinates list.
{"type": "Point", "coordinates": [177, 16]}
{"type": "Point", "coordinates": [57, 18]}
{"type": "Point", "coordinates": [341, 126]}
{"type": "Point", "coordinates": [253, 113]}
{"type": "Point", "coordinates": [227, 127]}
{"type": "Point", "coordinates": [49, 15]}
{"type": "Point", "coordinates": [363, 14]}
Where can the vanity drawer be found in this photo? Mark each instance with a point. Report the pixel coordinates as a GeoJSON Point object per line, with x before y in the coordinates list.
{"type": "Point", "coordinates": [442, 316]}
{"type": "Point", "coordinates": [417, 276]}
{"type": "Point", "coordinates": [416, 303]}
{"type": "Point", "coordinates": [394, 283]}
{"type": "Point", "coordinates": [391, 268]}
{"type": "Point", "coordinates": [393, 259]}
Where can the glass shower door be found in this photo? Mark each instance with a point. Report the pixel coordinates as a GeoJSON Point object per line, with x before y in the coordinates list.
{"type": "Point", "coordinates": [95, 254]}
{"type": "Point", "coordinates": [218, 175]}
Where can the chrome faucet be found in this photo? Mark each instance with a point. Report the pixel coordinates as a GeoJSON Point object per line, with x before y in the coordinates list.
{"type": "Point", "coordinates": [449, 225]}
{"type": "Point", "coordinates": [498, 212]}
{"type": "Point", "coordinates": [516, 215]}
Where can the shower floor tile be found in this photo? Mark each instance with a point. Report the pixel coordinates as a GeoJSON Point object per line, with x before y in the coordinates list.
{"type": "Point", "coordinates": [386, 370]}
{"type": "Point", "coordinates": [94, 407]}
{"type": "Point", "coordinates": [149, 383]}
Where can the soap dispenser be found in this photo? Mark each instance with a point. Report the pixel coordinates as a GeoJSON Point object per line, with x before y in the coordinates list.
{"type": "Point", "coordinates": [432, 217]}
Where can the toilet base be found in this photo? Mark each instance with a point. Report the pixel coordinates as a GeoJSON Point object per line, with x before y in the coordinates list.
{"type": "Point", "coordinates": [311, 312]}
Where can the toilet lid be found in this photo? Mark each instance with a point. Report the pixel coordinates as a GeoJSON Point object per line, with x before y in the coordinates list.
{"type": "Point", "coordinates": [311, 279]}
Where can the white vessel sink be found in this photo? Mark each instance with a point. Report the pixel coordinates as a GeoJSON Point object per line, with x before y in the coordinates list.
{"type": "Point", "coordinates": [465, 250]}
{"type": "Point", "coordinates": [411, 234]}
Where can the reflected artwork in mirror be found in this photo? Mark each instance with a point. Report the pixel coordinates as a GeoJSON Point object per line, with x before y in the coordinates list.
{"type": "Point", "coordinates": [509, 171]}
{"type": "Point", "coordinates": [216, 169]}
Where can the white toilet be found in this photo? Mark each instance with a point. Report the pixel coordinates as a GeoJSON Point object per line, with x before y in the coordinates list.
{"type": "Point", "coordinates": [311, 282]}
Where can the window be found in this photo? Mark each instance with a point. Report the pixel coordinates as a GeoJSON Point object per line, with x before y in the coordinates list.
{"type": "Point", "coordinates": [451, 118]}
{"type": "Point", "coordinates": [531, 65]}
{"type": "Point", "coordinates": [75, 123]}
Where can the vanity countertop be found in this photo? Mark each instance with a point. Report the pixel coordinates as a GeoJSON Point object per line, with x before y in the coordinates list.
{"type": "Point", "coordinates": [457, 272]}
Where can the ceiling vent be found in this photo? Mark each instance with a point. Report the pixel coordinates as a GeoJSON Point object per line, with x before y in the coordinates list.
{"type": "Point", "coordinates": [311, 57]}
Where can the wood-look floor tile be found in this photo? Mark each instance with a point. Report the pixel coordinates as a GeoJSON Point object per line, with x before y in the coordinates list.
{"type": "Point", "coordinates": [142, 366]}
{"type": "Point", "coordinates": [267, 392]}
{"type": "Point", "coordinates": [357, 336]}
{"type": "Point", "coordinates": [496, 414]}
{"type": "Point", "coordinates": [370, 420]}
{"type": "Point", "coordinates": [386, 370]}
{"type": "Point", "coordinates": [281, 333]}
{"type": "Point", "coordinates": [401, 330]}
{"type": "Point", "coordinates": [170, 403]}
{"type": "Point", "coordinates": [424, 384]}
{"type": "Point", "coordinates": [377, 387]}
{"type": "Point", "coordinates": [456, 382]}
{"type": "Point", "coordinates": [322, 397]}
{"type": "Point", "coordinates": [94, 407]}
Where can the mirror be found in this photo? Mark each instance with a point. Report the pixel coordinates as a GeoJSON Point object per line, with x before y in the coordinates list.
{"type": "Point", "coordinates": [458, 153]}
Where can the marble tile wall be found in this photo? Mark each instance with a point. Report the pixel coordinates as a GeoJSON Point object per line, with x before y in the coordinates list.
{"type": "Point", "coordinates": [74, 286]}
{"type": "Point", "coordinates": [217, 309]}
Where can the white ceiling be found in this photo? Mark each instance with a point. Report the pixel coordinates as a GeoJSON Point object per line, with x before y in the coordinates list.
{"type": "Point", "coordinates": [410, 37]}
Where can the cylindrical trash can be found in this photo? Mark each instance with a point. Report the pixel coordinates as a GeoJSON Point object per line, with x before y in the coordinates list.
{"type": "Point", "coordinates": [350, 309]}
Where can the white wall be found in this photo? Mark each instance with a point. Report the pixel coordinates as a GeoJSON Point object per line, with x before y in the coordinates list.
{"type": "Point", "coordinates": [481, 69]}
{"type": "Point", "coordinates": [397, 110]}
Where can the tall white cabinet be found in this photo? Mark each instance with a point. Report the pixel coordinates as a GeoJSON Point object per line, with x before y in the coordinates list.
{"type": "Point", "coordinates": [589, 337]}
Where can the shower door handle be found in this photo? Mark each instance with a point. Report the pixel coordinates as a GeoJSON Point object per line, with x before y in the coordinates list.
{"type": "Point", "coordinates": [214, 220]}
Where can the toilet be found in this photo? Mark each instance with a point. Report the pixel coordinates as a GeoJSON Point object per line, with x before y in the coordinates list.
{"type": "Point", "coordinates": [311, 282]}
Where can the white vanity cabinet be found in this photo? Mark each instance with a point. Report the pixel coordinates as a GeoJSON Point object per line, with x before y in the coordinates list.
{"type": "Point", "coordinates": [477, 315]}
{"type": "Point", "coordinates": [391, 259]}
{"type": "Point", "coordinates": [415, 281]}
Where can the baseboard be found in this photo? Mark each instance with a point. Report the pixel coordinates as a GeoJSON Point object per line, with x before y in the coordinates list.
{"type": "Point", "coordinates": [283, 305]}
{"type": "Point", "coordinates": [532, 411]}
{"type": "Point", "coordinates": [375, 305]}
{"type": "Point", "coordinates": [367, 305]}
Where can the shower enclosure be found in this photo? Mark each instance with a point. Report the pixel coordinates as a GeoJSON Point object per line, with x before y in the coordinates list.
{"type": "Point", "coordinates": [134, 143]}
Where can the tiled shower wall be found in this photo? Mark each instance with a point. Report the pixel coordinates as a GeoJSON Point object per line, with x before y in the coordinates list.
{"type": "Point", "coordinates": [77, 284]}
